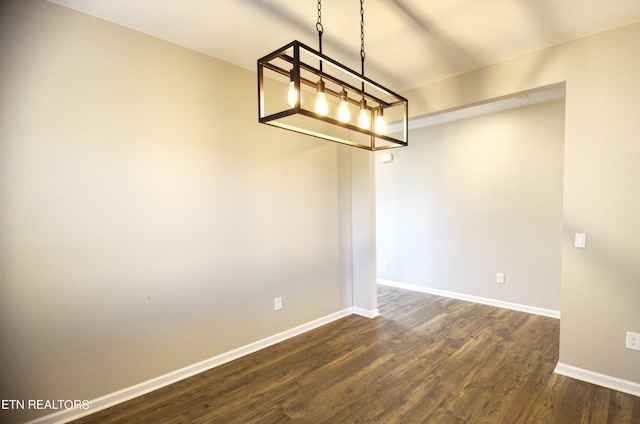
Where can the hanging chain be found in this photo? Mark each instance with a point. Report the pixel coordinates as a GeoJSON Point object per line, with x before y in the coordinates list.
{"type": "Point", "coordinates": [319, 23]}
{"type": "Point", "coordinates": [320, 31]}
{"type": "Point", "coordinates": [362, 38]}
{"type": "Point", "coordinates": [362, 31]}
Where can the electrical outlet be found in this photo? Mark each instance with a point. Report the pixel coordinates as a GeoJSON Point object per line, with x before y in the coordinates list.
{"type": "Point", "coordinates": [386, 263]}
{"type": "Point", "coordinates": [277, 303]}
{"type": "Point", "coordinates": [633, 341]}
{"type": "Point", "coordinates": [500, 278]}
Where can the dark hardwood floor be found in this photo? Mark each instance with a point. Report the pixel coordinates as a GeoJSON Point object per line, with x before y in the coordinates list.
{"type": "Point", "coordinates": [426, 359]}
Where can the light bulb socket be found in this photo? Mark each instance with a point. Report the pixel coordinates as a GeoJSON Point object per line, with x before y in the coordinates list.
{"type": "Point", "coordinates": [320, 86]}
{"type": "Point", "coordinates": [343, 95]}
{"type": "Point", "coordinates": [379, 111]}
{"type": "Point", "coordinates": [363, 104]}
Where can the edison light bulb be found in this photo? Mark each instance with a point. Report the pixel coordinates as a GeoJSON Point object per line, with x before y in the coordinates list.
{"type": "Point", "coordinates": [322, 107]}
{"type": "Point", "coordinates": [343, 111]}
{"type": "Point", "coordinates": [363, 119]}
{"type": "Point", "coordinates": [292, 98]}
{"type": "Point", "coordinates": [378, 124]}
{"type": "Point", "coordinates": [293, 94]}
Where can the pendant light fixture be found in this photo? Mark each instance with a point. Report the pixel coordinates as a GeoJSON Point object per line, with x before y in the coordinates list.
{"type": "Point", "coordinates": [349, 108]}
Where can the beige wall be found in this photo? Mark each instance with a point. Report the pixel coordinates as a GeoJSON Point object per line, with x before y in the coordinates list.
{"type": "Point", "coordinates": [600, 292]}
{"type": "Point", "coordinates": [475, 197]}
{"type": "Point", "coordinates": [147, 219]}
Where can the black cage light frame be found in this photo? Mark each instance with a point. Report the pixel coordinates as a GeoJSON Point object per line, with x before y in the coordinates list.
{"type": "Point", "coordinates": [291, 66]}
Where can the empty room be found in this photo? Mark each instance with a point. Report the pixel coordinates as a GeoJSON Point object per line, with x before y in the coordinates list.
{"type": "Point", "coordinates": [439, 222]}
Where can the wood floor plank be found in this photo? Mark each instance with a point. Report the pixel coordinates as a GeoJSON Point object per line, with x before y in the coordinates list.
{"type": "Point", "coordinates": [426, 359]}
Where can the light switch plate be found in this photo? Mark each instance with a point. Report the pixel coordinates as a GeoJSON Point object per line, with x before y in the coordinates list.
{"type": "Point", "coordinates": [581, 240]}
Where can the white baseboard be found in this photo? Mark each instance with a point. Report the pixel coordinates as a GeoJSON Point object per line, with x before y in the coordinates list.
{"type": "Point", "coordinates": [112, 399]}
{"type": "Point", "coordinates": [485, 301]}
{"type": "Point", "coordinates": [614, 383]}
{"type": "Point", "coordinates": [365, 312]}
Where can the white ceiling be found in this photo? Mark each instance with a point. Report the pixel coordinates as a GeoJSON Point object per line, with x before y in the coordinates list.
{"type": "Point", "coordinates": [408, 43]}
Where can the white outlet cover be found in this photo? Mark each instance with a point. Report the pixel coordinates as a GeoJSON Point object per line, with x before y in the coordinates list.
{"type": "Point", "coordinates": [581, 240]}
{"type": "Point", "coordinates": [633, 341]}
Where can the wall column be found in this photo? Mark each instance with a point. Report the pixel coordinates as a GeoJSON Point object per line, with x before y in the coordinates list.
{"type": "Point", "coordinates": [363, 198]}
